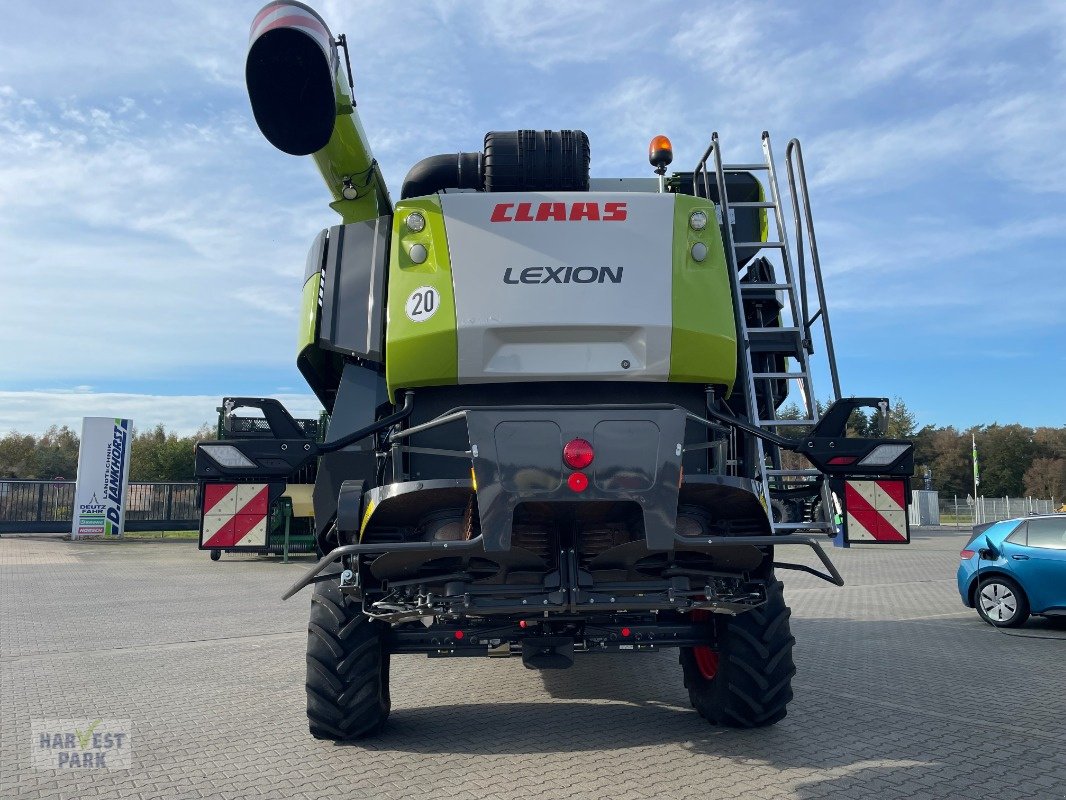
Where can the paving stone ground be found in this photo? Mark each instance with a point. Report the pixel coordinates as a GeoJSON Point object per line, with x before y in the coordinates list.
{"type": "Point", "coordinates": [900, 693]}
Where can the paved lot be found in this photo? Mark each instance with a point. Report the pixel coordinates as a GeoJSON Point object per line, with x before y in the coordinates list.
{"type": "Point", "coordinates": [900, 693]}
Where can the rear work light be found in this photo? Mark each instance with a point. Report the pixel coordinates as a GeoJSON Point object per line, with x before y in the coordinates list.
{"type": "Point", "coordinates": [884, 454]}
{"type": "Point", "coordinates": [227, 455]}
{"type": "Point", "coordinates": [577, 454]}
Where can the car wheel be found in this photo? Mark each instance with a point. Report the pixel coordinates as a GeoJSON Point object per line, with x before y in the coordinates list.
{"type": "Point", "coordinates": [1001, 602]}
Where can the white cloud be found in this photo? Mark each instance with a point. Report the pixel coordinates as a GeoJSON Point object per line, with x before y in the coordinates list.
{"type": "Point", "coordinates": [34, 411]}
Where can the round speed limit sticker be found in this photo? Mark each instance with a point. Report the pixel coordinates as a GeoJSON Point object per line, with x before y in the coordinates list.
{"type": "Point", "coordinates": [422, 304]}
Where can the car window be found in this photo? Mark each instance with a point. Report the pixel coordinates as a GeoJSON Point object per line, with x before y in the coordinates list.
{"type": "Point", "coordinates": [1018, 537]}
{"type": "Point", "coordinates": [1048, 532]}
{"type": "Point", "coordinates": [980, 530]}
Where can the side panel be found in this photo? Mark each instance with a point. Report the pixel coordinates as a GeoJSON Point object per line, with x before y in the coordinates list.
{"type": "Point", "coordinates": [353, 289]}
{"type": "Point", "coordinates": [423, 352]}
{"type": "Point", "coordinates": [309, 307]}
{"type": "Point", "coordinates": [309, 313]}
{"type": "Point", "coordinates": [703, 345]}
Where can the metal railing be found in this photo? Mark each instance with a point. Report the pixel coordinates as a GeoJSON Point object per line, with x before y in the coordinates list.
{"type": "Point", "coordinates": [965, 512]}
{"type": "Point", "coordinates": [48, 506]}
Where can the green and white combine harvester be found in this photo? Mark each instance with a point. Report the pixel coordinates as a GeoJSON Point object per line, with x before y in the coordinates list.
{"type": "Point", "coordinates": [553, 407]}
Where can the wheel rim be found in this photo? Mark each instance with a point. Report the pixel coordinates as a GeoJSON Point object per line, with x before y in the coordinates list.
{"type": "Point", "coordinates": [706, 661]}
{"type": "Point", "coordinates": [998, 602]}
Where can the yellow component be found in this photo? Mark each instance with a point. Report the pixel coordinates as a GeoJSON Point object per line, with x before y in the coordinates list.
{"type": "Point", "coordinates": [300, 495]}
{"type": "Point", "coordinates": [473, 478]}
{"type": "Point", "coordinates": [366, 518]}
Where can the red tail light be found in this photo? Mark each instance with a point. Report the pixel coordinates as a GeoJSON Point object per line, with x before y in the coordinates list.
{"type": "Point", "coordinates": [578, 481]}
{"type": "Point", "coordinates": [577, 454]}
{"type": "Point", "coordinates": [841, 461]}
{"type": "Point", "coordinates": [966, 554]}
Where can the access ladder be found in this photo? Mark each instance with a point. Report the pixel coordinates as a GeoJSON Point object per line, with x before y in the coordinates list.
{"type": "Point", "coordinates": [793, 340]}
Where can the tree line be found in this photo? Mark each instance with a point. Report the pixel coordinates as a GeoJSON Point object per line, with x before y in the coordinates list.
{"type": "Point", "coordinates": [1015, 460]}
{"type": "Point", "coordinates": [156, 454]}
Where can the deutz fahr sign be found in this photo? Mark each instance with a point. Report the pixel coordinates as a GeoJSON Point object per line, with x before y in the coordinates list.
{"type": "Point", "coordinates": [103, 473]}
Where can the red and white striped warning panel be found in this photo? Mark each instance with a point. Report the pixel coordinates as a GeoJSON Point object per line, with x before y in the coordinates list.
{"type": "Point", "coordinates": [876, 511]}
{"type": "Point", "coordinates": [235, 515]}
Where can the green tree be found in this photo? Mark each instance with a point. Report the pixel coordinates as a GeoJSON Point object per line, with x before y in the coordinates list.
{"type": "Point", "coordinates": [946, 452]}
{"type": "Point", "coordinates": [16, 455]}
{"type": "Point", "coordinates": [1046, 478]}
{"type": "Point", "coordinates": [1005, 453]}
{"type": "Point", "coordinates": [901, 424]}
{"type": "Point", "coordinates": [157, 455]}
{"type": "Point", "coordinates": [56, 454]}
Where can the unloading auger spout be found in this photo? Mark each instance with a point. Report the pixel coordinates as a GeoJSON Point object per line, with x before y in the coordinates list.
{"type": "Point", "coordinates": [300, 86]}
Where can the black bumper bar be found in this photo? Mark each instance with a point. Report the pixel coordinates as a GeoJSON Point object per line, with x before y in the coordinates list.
{"type": "Point", "coordinates": [476, 546]}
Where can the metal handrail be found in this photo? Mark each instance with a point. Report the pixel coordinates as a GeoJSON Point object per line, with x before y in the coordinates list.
{"type": "Point", "coordinates": [800, 196]}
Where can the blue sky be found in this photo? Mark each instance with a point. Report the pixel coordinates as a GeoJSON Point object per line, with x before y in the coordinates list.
{"type": "Point", "coordinates": [152, 243]}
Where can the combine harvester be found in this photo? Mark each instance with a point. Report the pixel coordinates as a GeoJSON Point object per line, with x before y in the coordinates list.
{"type": "Point", "coordinates": [553, 406]}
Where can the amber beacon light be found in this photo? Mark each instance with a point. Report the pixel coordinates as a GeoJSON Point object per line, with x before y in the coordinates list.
{"type": "Point", "coordinates": [660, 154]}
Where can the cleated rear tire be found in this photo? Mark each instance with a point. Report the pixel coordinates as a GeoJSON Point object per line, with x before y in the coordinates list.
{"type": "Point", "coordinates": [748, 684]}
{"type": "Point", "coordinates": [347, 667]}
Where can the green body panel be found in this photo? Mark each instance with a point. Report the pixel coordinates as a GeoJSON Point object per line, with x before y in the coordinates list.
{"type": "Point", "coordinates": [309, 312]}
{"type": "Point", "coordinates": [420, 353]}
{"type": "Point", "coordinates": [347, 157]}
{"type": "Point", "coordinates": [703, 342]}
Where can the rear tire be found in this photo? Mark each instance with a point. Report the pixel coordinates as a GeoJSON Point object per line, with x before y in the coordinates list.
{"type": "Point", "coordinates": [347, 667]}
{"type": "Point", "coordinates": [752, 676]}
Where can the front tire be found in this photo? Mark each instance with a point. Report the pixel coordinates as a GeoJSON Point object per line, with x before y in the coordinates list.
{"type": "Point", "coordinates": [347, 667]}
{"type": "Point", "coordinates": [745, 681]}
{"type": "Point", "coordinates": [1001, 602]}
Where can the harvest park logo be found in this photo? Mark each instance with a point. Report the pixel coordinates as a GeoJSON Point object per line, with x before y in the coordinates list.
{"type": "Point", "coordinates": [81, 744]}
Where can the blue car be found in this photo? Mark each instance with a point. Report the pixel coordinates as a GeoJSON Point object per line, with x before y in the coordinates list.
{"type": "Point", "coordinates": [1015, 568]}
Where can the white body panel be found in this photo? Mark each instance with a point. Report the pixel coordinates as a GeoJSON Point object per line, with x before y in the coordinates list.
{"type": "Point", "coordinates": [571, 299]}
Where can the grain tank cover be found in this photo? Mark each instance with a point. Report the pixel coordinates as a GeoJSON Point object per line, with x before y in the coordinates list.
{"type": "Point", "coordinates": [555, 284]}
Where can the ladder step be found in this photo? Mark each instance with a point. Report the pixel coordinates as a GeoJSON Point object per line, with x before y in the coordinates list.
{"type": "Point", "coordinates": [794, 423]}
{"type": "Point", "coordinates": [753, 204]}
{"type": "Point", "coordinates": [778, 245]}
{"type": "Point", "coordinates": [779, 341]}
{"type": "Point", "coordinates": [787, 287]}
{"type": "Point", "coordinates": [780, 375]}
{"type": "Point", "coordinates": [742, 167]}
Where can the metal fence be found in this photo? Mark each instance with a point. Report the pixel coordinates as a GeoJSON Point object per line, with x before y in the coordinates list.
{"type": "Point", "coordinates": [965, 512]}
{"type": "Point", "coordinates": [48, 506]}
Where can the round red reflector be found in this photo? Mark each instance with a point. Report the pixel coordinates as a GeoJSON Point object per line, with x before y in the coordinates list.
{"type": "Point", "coordinates": [626, 631]}
{"type": "Point", "coordinates": [578, 481]}
{"type": "Point", "coordinates": [459, 634]}
{"type": "Point", "coordinates": [577, 454]}
{"type": "Point", "coordinates": [521, 623]}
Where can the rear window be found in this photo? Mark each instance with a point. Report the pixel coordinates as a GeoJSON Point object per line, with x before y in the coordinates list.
{"type": "Point", "coordinates": [1048, 532]}
{"type": "Point", "coordinates": [980, 530]}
